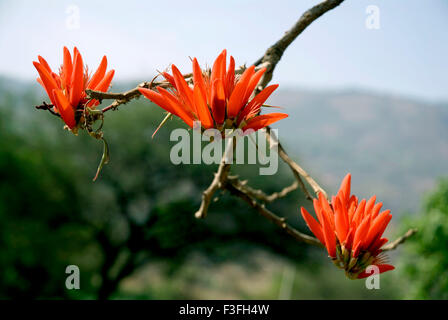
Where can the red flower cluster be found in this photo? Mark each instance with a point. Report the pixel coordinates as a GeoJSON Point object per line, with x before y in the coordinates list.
{"type": "Point", "coordinates": [66, 90]}
{"type": "Point", "coordinates": [351, 230]}
{"type": "Point", "coordinates": [218, 99]}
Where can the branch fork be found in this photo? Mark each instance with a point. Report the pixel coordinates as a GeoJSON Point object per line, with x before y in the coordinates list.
{"type": "Point", "coordinates": [240, 188]}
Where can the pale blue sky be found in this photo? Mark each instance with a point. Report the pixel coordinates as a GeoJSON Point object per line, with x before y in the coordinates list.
{"type": "Point", "coordinates": [408, 55]}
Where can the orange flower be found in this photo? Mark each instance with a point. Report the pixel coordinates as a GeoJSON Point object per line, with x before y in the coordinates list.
{"type": "Point", "coordinates": [66, 90]}
{"type": "Point", "coordinates": [351, 231]}
{"type": "Point", "coordinates": [218, 99]}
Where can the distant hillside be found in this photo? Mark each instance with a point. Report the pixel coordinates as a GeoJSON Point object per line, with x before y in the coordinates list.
{"type": "Point", "coordinates": [393, 146]}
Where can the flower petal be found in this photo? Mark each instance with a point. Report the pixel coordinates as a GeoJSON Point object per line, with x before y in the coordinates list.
{"type": "Point", "coordinates": [185, 92]}
{"type": "Point", "coordinates": [99, 74]}
{"type": "Point", "coordinates": [44, 63]}
{"type": "Point", "coordinates": [263, 121]}
{"type": "Point", "coordinates": [377, 226]}
{"type": "Point", "coordinates": [77, 81]}
{"type": "Point", "coordinates": [327, 211]}
{"type": "Point", "coordinates": [359, 214]}
{"type": "Point", "coordinates": [340, 221]}
{"type": "Point", "coordinates": [330, 238]}
{"type": "Point", "coordinates": [219, 67]}
{"type": "Point", "coordinates": [104, 84]}
{"type": "Point", "coordinates": [157, 98]}
{"type": "Point", "coordinates": [318, 210]}
{"type": "Point", "coordinates": [361, 233]}
{"type": "Point", "coordinates": [202, 108]}
{"type": "Point", "coordinates": [178, 107]}
{"type": "Point", "coordinates": [198, 79]}
{"type": "Point", "coordinates": [236, 100]}
{"type": "Point", "coordinates": [169, 78]}
{"type": "Point", "coordinates": [65, 109]}
{"type": "Point", "coordinates": [67, 67]}
{"type": "Point", "coordinates": [314, 226]}
{"type": "Point", "coordinates": [345, 186]}
{"type": "Point", "coordinates": [218, 101]}
{"type": "Point", "coordinates": [253, 107]}
{"type": "Point", "coordinates": [377, 244]}
{"type": "Point", "coordinates": [46, 80]}
{"type": "Point", "coordinates": [382, 268]}
{"type": "Point", "coordinates": [369, 205]}
{"type": "Point", "coordinates": [253, 83]}
{"type": "Point", "coordinates": [230, 78]}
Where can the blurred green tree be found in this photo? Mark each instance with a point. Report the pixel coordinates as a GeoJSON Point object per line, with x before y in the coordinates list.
{"type": "Point", "coordinates": [425, 258]}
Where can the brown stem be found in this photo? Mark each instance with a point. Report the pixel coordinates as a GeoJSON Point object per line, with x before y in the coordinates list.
{"type": "Point", "coordinates": [400, 240]}
{"type": "Point", "coordinates": [234, 189]}
{"type": "Point", "coordinates": [270, 61]}
{"type": "Point", "coordinates": [275, 52]}
{"type": "Point", "coordinates": [121, 98]}
{"type": "Point", "coordinates": [239, 188]}
{"type": "Point", "coordinates": [218, 181]}
{"type": "Point", "coordinates": [297, 169]}
{"type": "Point", "coordinates": [260, 194]}
{"type": "Point", "coordinates": [47, 107]}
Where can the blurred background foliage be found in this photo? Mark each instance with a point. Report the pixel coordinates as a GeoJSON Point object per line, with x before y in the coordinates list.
{"type": "Point", "coordinates": [132, 233]}
{"type": "Point", "coordinates": [425, 259]}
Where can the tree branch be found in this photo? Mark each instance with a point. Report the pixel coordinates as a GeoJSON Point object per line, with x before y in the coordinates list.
{"type": "Point", "coordinates": [298, 170]}
{"type": "Point", "coordinates": [218, 181]}
{"type": "Point", "coordinates": [125, 97]}
{"type": "Point", "coordinates": [47, 107]}
{"type": "Point", "coordinates": [233, 188]}
{"type": "Point", "coordinates": [260, 194]}
{"type": "Point", "coordinates": [270, 60]}
{"type": "Point", "coordinates": [275, 52]}
{"type": "Point", "coordinates": [400, 240]}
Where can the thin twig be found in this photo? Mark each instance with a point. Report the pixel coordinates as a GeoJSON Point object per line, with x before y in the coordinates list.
{"type": "Point", "coordinates": [48, 107]}
{"type": "Point", "coordinates": [239, 188]}
{"type": "Point", "coordinates": [217, 183]}
{"type": "Point", "coordinates": [270, 60]}
{"type": "Point", "coordinates": [120, 98]}
{"type": "Point", "coordinates": [125, 97]}
{"type": "Point", "coordinates": [275, 52]}
{"type": "Point", "coordinates": [234, 189]}
{"type": "Point", "coordinates": [400, 240]}
{"type": "Point", "coordinates": [260, 194]}
{"type": "Point", "coordinates": [297, 169]}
